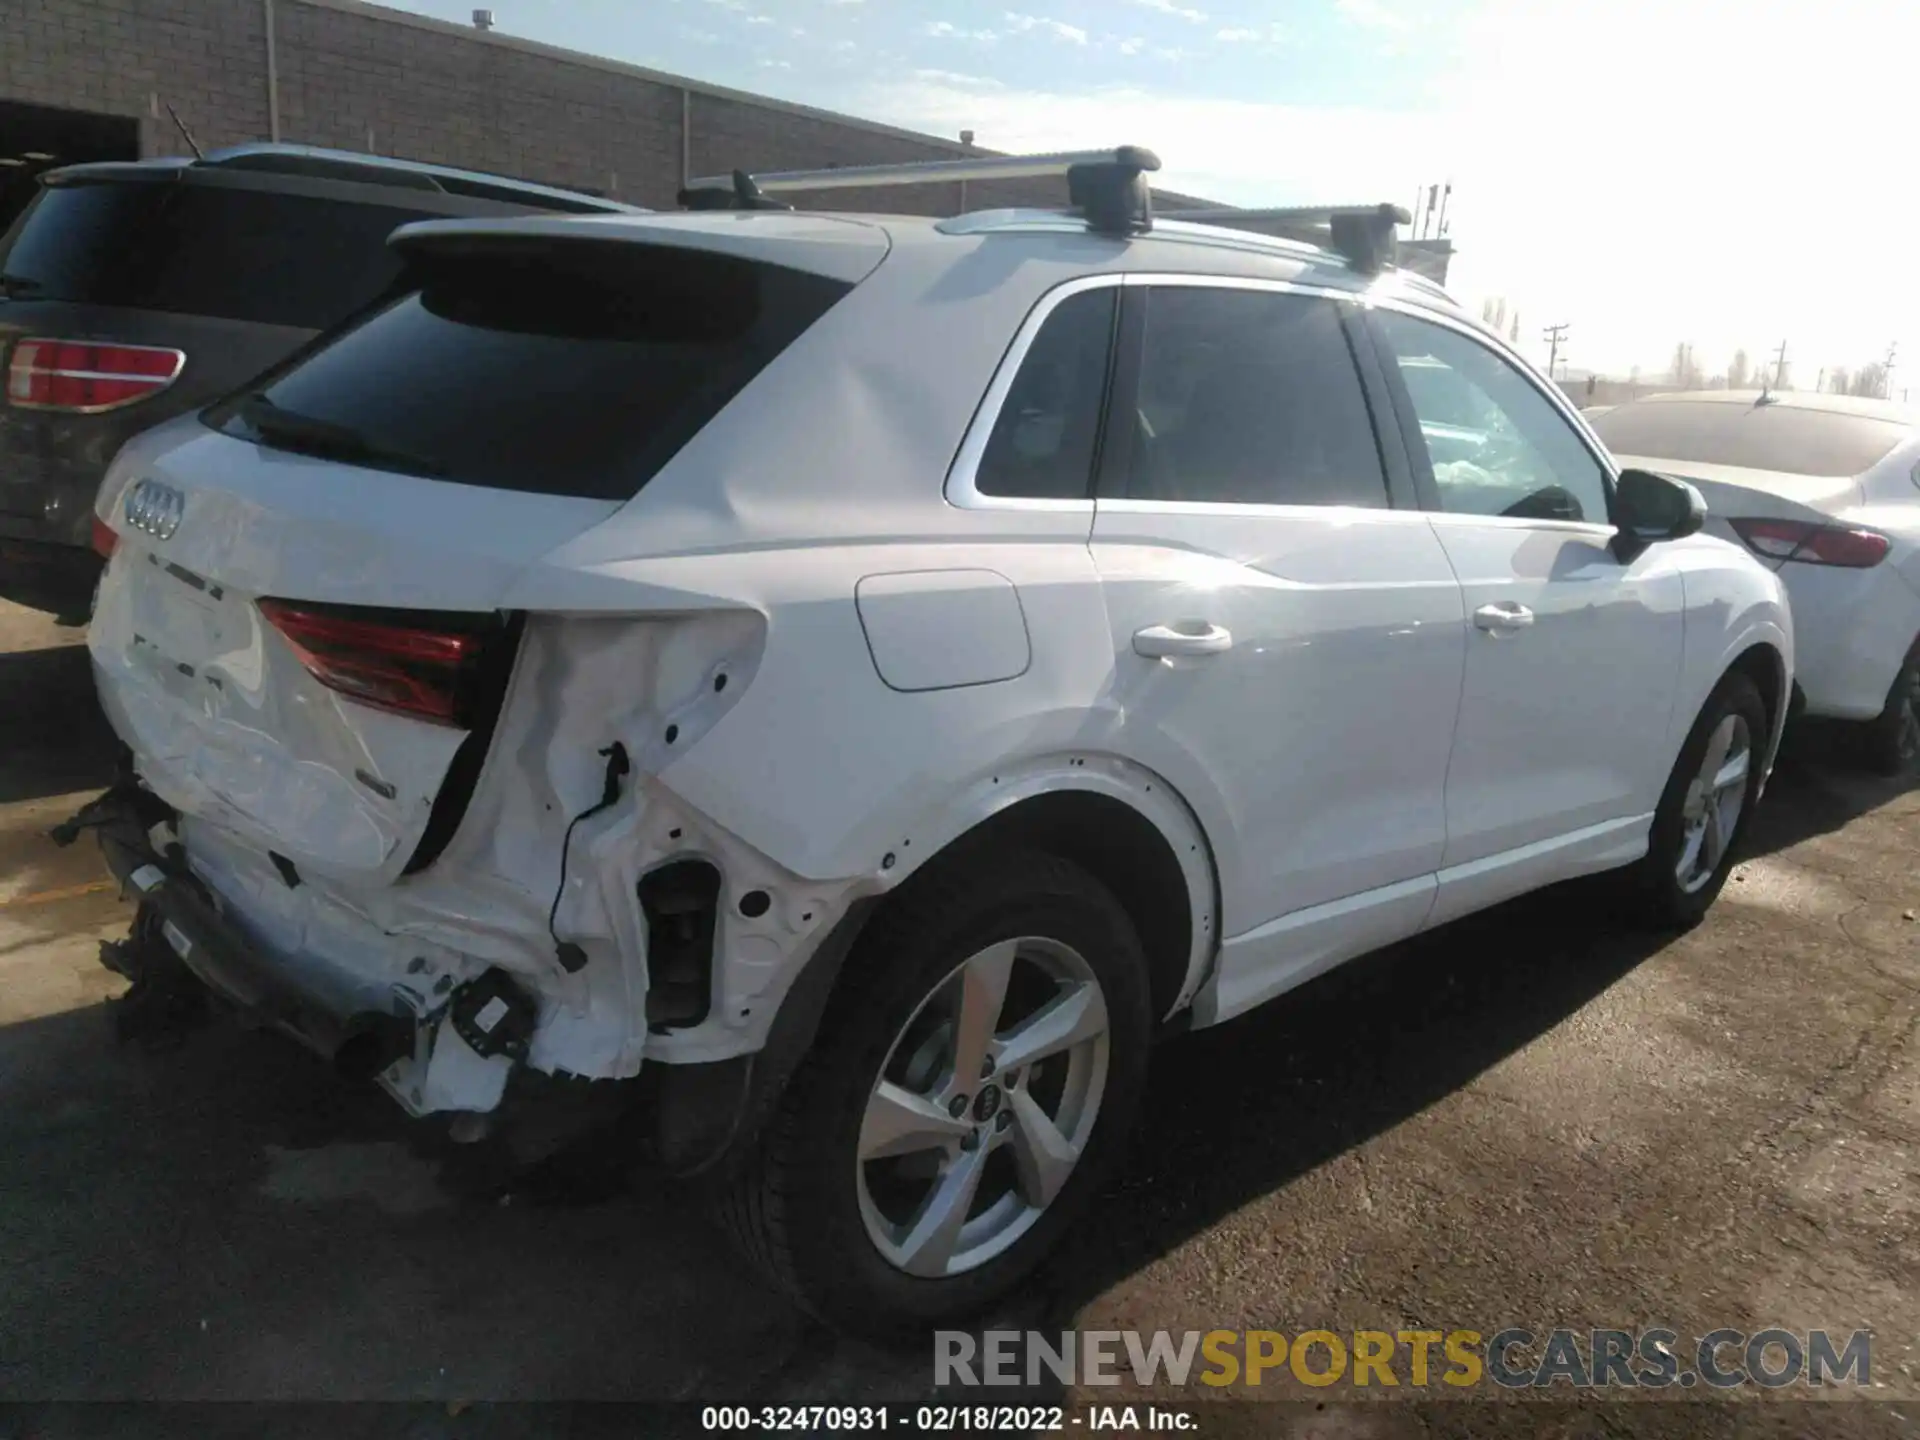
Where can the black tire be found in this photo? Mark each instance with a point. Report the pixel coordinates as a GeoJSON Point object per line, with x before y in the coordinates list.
{"type": "Point", "coordinates": [1890, 744]}
{"type": "Point", "coordinates": [1660, 901]}
{"type": "Point", "coordinates": [792, 1207]}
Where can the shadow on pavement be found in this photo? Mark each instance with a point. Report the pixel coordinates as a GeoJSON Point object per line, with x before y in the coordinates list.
{"type": "Point", "coordinates": [53, 737]}
{"type": "Point", "coordinates": [1240, 1112]}
{"type": "Point", "coordinates": [1818, 786]}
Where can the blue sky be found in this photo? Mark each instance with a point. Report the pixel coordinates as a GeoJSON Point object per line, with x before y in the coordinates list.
{"type": "Point", "coordinates": [1649, 171]}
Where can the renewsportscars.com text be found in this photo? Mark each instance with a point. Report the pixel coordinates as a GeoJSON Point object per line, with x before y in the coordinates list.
{"type": "Point", "coordinates": [1512, 1358]}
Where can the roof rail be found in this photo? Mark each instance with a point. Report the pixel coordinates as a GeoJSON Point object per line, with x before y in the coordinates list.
{"type": "Point", "coordinates": [1362, 235]}
{"type": "Point", "coordinates": [1107, 186]}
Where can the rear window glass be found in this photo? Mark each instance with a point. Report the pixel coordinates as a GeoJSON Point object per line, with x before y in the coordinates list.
{"type": "Point", "coordinates": [1043, 441]}
{"type": "Point", "coordinates": [196, 249]}
{"type": "Point", "coordinates": [1779, 437]}
{"type": "Point", "coordinates": [571, 368]}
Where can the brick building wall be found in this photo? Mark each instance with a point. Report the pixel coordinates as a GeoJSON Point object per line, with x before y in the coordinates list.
{"type": "Point", "coordinates": [363, 77]}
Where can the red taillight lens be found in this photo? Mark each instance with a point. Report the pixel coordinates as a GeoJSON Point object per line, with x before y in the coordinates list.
{"type": "Point", "coordinates": [1853, 547]}
{"type": "Point", "coordinates": [411, 666]}
{"type": "Point", "coordinates": [75, 375]}
{"type": "Point", "coordinates": [103, 539]}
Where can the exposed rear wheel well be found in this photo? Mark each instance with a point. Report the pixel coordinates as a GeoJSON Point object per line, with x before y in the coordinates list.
{"type": "Point", "coordinates": [1115, 844]}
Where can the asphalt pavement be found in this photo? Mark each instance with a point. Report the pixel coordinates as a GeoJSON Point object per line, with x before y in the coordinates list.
{"type": "Point", "coordinates": [1527, 1119]}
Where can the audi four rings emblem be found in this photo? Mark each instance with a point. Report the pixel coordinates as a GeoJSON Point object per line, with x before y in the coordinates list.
{"type": "Point", "coordinates": [155, 508]}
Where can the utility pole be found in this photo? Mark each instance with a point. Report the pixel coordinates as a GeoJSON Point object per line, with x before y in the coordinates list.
{"type": "Point", "coordinates": [1780, 365]}
{"type": "Point", "coordinates": [1553, 335]}
{"type": "Point", "coordinates": [1886, 373]}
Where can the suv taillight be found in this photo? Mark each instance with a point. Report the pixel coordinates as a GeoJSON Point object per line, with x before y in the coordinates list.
{"type": "Point", "coordinates": [411, 664]}
{"type": "Point", "coordinates": [86, 378]}
{"type": "Point", "coordinates": [1852, 546]}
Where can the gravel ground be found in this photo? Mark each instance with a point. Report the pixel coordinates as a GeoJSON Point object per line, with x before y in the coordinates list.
{"type": "Point", "coordinates": [1527, 1119]}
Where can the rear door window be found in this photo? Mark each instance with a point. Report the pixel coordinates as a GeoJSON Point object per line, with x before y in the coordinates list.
{"type": "Point", "coordinates": [201, 249]}
{"type": "Point", "coordinates": [1250, 397]}
{"type": "Point", "coordinates": [577, 367]}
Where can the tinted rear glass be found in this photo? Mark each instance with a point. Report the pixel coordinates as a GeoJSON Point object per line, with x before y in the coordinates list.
{"type": "Point", "coordinates": [1776, 437]}
{"type": "Point", "coordinates": [203, 250]}
{"type": "Point", "coordinates": [572, 368]}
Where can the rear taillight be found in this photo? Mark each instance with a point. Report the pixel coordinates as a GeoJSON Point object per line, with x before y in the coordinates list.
{"type": "Point", "coordinates": [86, 378]}
{"type": "Point", "coordinates": [410, 664]}
{"type": "Point", "coordinates": [103, 539]}
{"type": "Point", "coordinates": [1852, 546]}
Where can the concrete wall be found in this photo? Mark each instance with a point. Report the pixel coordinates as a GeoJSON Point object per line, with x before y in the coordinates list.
{"type": "Point", "coordinates": [363, 77]}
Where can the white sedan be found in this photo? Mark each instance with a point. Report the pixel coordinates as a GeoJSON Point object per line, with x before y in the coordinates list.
{"type": "Point", "coordinates": [1825, 489]}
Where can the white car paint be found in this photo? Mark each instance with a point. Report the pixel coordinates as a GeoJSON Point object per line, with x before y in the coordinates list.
{"type": "Point", "coordinates": [825, 671]}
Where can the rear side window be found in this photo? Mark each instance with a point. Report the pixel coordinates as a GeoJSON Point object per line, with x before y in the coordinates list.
{"type": "Point", "coordinates": [1043, 442]}
{"type": "Point", "coordinates": [1251, 397]}
{"type": "Point", "coordinates": [1779, 436]}
{"type": "Point", "coordinates": [577, 367]}
{"type": "Point", "coordinates": [197, 249]}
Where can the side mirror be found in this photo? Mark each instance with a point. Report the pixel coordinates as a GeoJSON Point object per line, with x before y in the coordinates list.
{"type": "Point", "coordinates": [1649, 508]}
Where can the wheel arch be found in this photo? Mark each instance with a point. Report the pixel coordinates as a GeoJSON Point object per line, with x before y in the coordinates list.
{"type": "Point", "coordinates": [1762, 663]}
{"type": "Point", "coordinates": [1119, 821]}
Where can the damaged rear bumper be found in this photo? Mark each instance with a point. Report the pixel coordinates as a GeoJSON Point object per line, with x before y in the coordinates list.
{"type": "Point", "coordinates": [451, 1051]}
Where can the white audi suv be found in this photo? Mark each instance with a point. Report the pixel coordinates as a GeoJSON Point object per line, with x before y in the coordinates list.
{"type": "Point", "coordinates": [862, 680]}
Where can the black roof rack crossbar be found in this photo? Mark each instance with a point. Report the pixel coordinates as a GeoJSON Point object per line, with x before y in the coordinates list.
{"type": "Point", "coordinates": [738, 191]}
{"type": "Point", "coordinates": [1107, 186]}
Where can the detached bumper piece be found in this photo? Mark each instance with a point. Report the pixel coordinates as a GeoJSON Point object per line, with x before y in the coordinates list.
{"type": "Point", "coordinates": [178, 912]}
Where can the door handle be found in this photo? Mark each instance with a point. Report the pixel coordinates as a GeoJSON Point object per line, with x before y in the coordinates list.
{"type": "Point", "coordinates": [1182, 637]}
{"type": "Point", "coordinates": [1502, 617]}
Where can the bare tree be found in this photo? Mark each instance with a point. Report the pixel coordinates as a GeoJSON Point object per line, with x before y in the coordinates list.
{"type": "Point", "coordinates": [1684, 371]}
{"type": "Point", "coordinates": [1513, 333]}
{"type": "Point", "coordinates": [1740, 372]}
{"type": "Point", "coordinates": [1839, 378]}
{"type": "Point", "coordinates": [1493, 313]}
{"type": "Point", "coordinates": [1869, 380]}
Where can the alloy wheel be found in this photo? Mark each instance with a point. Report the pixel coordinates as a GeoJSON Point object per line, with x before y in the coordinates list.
{"type": "Point", "coordinates": [983, 1107]}
{"type": "Point", "coordinates": [1715, 798]}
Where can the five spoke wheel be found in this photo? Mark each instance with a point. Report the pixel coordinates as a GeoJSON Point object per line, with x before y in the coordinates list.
{"type": "Point", "coordinates": [983, 1106]}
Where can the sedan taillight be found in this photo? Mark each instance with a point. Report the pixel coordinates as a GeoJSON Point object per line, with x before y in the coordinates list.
{"type": "Point", "coordinates": [86, 378]}
{"type": "Point", "coordinates": [1853, 546]}
{"type": "Point", "coordinates": [421, 665]}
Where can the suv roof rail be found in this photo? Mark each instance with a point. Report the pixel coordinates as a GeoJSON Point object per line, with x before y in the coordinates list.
{"type": "Point", "coordinates": [1107, 187]}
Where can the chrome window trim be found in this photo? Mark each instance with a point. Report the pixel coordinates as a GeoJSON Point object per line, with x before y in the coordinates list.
{"type": "Point", "coordinates": [961, 489]}
{"type": "Point", "coordinates": [1521, 522]}
{"type": "Point", "coordinates": [1253, 509]}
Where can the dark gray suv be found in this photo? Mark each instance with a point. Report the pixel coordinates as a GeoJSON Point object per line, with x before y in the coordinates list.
{"type": "Point", "coordinates": [132, 292]}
